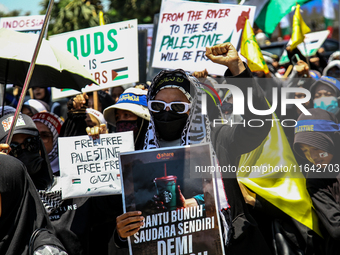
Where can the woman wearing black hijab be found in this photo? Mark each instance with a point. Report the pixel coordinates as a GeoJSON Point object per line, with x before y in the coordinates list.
{"type": "Point", "coordinates": [22, 213]}
{"type": "Point", "coordinates": [317, 137]}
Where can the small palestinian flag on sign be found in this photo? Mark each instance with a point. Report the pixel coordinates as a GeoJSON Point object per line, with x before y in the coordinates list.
{"type": "Point", "coordinates": [76, 181]}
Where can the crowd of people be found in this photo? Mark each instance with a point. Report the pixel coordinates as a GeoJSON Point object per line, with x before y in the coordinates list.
{"type": "Point", "coordinates": [33, 215]}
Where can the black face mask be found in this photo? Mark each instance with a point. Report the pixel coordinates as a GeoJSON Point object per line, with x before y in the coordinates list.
{"type": "Point", "coordinates": [32, 160]}
{"type": "Point", "coordinates": [127, 125]}
{"type": "Point", "coordinates": [169, 124]}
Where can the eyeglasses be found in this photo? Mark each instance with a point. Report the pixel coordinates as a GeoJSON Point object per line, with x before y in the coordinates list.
{"type": "Point", "coordinates": [178, 107]}
{"type": "Point", "coordinates": [30, 144]}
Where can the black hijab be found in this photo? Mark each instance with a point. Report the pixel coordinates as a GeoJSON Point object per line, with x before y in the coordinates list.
{"type": "Point", "coordinates": [22, 210]}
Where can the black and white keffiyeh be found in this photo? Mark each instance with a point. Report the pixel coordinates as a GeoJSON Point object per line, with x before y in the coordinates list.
{"type": "Point", "coordinates": [197, 128]}
{"type": "Point", "coordinates": [54, 123]}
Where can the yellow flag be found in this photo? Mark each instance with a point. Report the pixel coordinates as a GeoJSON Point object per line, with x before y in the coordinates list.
{"type": "Point", "coordinates": [299, 29]}
{"type": "Point", "coordinates": [251, 50]}
{"type": "Point", "coordinates": [101, 18]}
{"type": "Point", "coordinates": [283, 184]}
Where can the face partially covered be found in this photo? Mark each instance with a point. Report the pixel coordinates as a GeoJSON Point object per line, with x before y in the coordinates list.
{"type": "Point", "coordinates": [325, 98]}
{"type": "Point", "coordinates": [315, 155]}
{"type": "Point", "coordinates": [170, 109]}
{"type": "Point", "coordinates": [323, 90]}
{"type": "Point", "coordinates": [169, 95]}
{"type": "Point", "coordinates": [122, 115]}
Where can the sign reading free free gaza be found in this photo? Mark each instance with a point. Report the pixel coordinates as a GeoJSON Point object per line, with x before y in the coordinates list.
{"type": "Point", "coordinates": [109, 52]}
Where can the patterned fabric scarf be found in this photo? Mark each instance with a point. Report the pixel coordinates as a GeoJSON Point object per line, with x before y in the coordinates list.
{"type": "Point", "coordinates": [54, 123]}
{"type": "Point", "coordinates": [196, 121]}
{"type": "Point", "coordinates": [51, 200]}
{"type": "Point", "coordinates": [190, 135]}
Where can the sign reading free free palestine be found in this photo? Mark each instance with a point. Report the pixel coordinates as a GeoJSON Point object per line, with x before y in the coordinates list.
{"type": "Point", "coordinates": [90, 167]}
{"type": "Point", "coordinates": [185, 28]}
{"type": "Point", "coordinates": [109, 52]}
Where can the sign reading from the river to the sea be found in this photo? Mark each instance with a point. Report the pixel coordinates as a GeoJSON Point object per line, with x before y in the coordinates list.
{"type": "Point", "coordinates": [185, 28]}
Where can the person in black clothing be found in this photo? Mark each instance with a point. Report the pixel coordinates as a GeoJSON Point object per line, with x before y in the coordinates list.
{"type": "Point", "coordinates": [27, 146]}
{"type": "Point", "coordinates": [22, 214]}
{"type": "Point", "coordinates": [317, 138]}
{"type": "Point", "coordinates": [168, 127]}
{"type": "Point", "coordinates": [72, 219]}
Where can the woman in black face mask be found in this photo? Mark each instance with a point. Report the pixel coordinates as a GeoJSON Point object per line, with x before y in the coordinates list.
{"type": "Point", "coordinates": [27, 146]}
{"type": "Point", "coordinates": [130, 113]}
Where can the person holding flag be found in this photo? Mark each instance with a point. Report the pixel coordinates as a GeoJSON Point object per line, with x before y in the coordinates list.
{"type": "Point", "coordinates": [270, 193]}
{"type": "Point", "coordinates": [257, 63]}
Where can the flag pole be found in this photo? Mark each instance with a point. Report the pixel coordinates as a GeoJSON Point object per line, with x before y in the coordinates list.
{"type": "Point", "coordinates": [29, 73]}
{"type": "Point", "coordinates": [304, 44]}
{"type": "Point", "coordinates": [95, 93]}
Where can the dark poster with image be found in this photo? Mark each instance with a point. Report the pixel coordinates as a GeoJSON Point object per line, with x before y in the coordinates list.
{"type": "Point", "coordinates": [158, 182]}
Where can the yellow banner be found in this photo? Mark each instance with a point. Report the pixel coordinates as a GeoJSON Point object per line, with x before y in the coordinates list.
{"type": "Point", "coordinates": [283, 184]}
{"type": "Point", "coordinates": [299, 28]}
{"type": "Point", "coordinates": [251, 50]}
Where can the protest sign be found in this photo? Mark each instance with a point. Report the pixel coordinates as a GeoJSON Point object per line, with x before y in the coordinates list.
{"type": "Point", "coordinates": [186, 28]}
{"type": "Point", "coordinates": [90, 167]}
{"type": "Point", "coordinates": [313, 42]}
{"type": "Point", "coordinates": [27, 24]}
{"type": "Point", "coordinates": [157, 182]}
{"type": "Point", "coordinates": [149, 28]}
{"type": "Point", "coordinates": [109, 52]}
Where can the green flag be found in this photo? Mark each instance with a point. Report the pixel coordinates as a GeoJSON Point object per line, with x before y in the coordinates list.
{"type": "Point", "coordinates": [272, 13]}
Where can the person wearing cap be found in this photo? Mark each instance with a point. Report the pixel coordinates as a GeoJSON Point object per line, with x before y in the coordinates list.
{"type": "Point", "coordinates": [174, 100]}
{"type": "Point", "coordinates": [27, 146]}
{"type": "Point", "coordinates": [49, 125]}
{"type": "Point", "coordinates": [130, 113]}
{"type": "Point", "coordinates": [325, 93]}
{"type": "Point", "coordinates": [317, 138]}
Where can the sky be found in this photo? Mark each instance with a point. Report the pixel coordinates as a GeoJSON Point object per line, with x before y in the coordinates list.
{"type": "Point", "coordinates": [27, 5]}
{"type": "Point", "coordinates": [34, 8]}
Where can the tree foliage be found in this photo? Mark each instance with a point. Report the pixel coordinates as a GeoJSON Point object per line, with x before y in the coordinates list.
{"type": "Point", "coordinates": [143, 10]}
{"type": "Point", "coordinates": [71, 15]}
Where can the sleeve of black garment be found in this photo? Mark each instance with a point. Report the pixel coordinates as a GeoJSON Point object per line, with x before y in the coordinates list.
{"type": "Point", "coordinates": [244, 138]}
{"type": "Point", "coordinates": [107, 208]}
{"type": "Point", "coordinates": [327, 209]}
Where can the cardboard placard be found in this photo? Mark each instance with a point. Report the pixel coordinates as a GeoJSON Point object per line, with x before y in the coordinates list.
{"type": "Point", "coordinates": [90, 167]}
{"type": "Point", "coordinates": [186, 28]}
{"type": "Point", "coordinates": [109, 52]}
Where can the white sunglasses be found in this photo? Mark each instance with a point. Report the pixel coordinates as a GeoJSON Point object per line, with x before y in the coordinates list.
{"type": "Point", "coordinates": [178, 107]}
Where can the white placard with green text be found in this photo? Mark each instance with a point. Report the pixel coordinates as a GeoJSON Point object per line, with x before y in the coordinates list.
{"type": "Point", "coordinates": [185, 28]}
{"type": "Point", "coordinates": [109, 52]}
{"type": "Point", "coordinates": [312, 43]}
